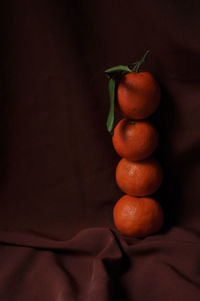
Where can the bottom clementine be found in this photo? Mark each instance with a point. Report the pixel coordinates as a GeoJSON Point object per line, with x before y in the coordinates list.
{"type": "Point", "coordinates": [137, 217]}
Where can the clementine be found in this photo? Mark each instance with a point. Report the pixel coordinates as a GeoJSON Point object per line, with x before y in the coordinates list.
{"type": "Point", "coordinates": [140, 178]}
{"type": "Point", "coordinates": [138, 95]}
{"type": "Point", "coordinates": [137, 217]}
{"type": "Point", "coordinates": [135, 140]}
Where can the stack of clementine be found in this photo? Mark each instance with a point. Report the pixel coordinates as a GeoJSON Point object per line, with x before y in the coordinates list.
{"type": "Point", "coordinates": [136, 95]}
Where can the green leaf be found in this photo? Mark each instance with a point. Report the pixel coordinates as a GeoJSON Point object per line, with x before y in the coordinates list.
{"type": "Point", "coordinates": [110, 119]}
{"type": "Point", "coordinates": [117, 69]}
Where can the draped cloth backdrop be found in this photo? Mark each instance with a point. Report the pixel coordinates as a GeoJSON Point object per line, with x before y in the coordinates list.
{"type": "Point", "coordinates": [57, 186]}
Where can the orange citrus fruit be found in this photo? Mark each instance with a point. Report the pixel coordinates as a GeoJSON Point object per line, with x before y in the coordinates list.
{"type": "Point", "coordinates": [135, 140]}
{"type": "Point", "coordinates": [138, 95]}
{"type": "Point", "coordinates": [139, 178]}
{"type": "Point", "coordinates": [137, 217]}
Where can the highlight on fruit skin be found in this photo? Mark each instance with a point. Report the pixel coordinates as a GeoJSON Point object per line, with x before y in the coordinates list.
{"type": "Point", "coordinates": [139, 178]}
{"type": "Point", "coordinates": [137, 217]}
{"type": "Point", "coordinates": [135, 140]}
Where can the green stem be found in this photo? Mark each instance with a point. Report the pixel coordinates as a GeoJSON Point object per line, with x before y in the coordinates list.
{"type": "Point", "coordinates": [144, 57]}
{"type": "Point", "coordinates": [140, 62]}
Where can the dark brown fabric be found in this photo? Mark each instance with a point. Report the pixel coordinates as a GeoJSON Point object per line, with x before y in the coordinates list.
{"type": "Point", "coordinates": [57, 186]}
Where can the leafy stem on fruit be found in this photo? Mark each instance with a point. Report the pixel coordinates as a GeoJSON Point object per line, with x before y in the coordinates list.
{"type": "Point", "coordinates": [110, 119]}
{"type": "Point", "coordinates": [136, 65]}
{"type": "Point", "coordinates": [114, 74]}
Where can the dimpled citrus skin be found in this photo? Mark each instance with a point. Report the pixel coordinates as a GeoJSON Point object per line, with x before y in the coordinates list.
{"type": "Point", "coordinates": [135, 141]}
{"type": "Point", "coordinates": [138, 95]}
{"type": "Point", "coordinates": [139, 178]}
{"type": "Point", "coordinates": [137, 217]}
